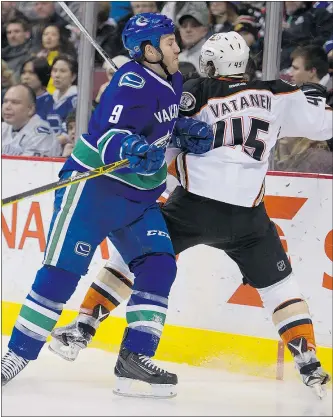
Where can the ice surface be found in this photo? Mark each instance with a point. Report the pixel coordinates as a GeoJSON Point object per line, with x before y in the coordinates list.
{"type": "Point", "coordinates": [53, 387]}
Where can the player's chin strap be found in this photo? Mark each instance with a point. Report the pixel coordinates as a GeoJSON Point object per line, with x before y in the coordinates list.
{"type": "Point", "coordinates": [164, 67]}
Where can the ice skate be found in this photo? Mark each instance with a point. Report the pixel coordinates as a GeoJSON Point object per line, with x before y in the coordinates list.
{"type": "Point", "coordinates": [68, 341]}
{"type": "Point", "coordinates": [11, 365]}
{"type": "Point", "coordinates": [309, 366]}
{"type": "Point", "coordinates": [138, 376]}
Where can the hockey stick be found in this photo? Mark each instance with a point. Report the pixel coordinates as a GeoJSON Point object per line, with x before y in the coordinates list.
{"type": "Point", "coordinates": [83, 30]}
{"type": "Point", "coordinates": [82, 176]}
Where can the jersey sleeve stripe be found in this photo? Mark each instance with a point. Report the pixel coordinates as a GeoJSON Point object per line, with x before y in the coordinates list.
{"type": "Point", "coordinates": [260, 196]}
{"type": "Point", "coordinates": [287, 92]}
{"type": "Point", "coordinates": [104, 145]}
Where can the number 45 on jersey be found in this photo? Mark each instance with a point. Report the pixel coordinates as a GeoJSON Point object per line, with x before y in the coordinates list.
{"type": "Point", "coordinates": [231, 132]}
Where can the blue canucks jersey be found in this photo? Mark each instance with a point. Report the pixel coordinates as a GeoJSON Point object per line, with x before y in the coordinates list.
{"type": "Point", "coordinates": [44, 104]}
{"type": "Point", "coordinates": [137, 101]}
{"type": "Point", "coordinates": [60, 108]}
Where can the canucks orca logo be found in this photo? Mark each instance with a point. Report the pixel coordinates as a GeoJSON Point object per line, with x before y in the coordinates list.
{"type": "Point", "coordinates": [131, 79]}
{"type": "Point", "coordinates": [163, 141]}
{"type": "Point", "coordinates": [43, 129]}
{"type": "Point", "coordinates": [142, 21]}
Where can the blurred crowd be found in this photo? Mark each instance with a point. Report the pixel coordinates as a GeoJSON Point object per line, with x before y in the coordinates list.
{"type": "Point", "coordinates": [39, 46]}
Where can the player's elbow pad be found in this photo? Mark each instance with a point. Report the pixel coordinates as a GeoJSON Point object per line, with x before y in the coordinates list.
{"type": "Point", "coordinates": [109, 146]}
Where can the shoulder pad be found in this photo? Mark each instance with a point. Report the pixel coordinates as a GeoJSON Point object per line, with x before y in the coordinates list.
{"type": "Point", "coordinates": [42, 129]}
{"type": "Point", "coordinates": [131, 79]}
{"type": "Point", "coordinates": [189, 96]}
{"type": "Point", "coordinates": [281, 86]}
{"type": "Point", "coordinates": [313, 89]}
{"type": "Point", "coordinates": [193, 84]}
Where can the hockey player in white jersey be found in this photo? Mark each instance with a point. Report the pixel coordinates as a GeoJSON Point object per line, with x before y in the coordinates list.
{"type": "Point", "coordinates": [220, 200]}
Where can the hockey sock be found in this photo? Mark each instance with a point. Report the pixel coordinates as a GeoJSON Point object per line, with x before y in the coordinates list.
{"type": "Point", "coordinates": [292, 320]}
{"type": "Point", "coordinates": [41, 310]}
{"type": "Point", "coordinates": [290, 313]}
{"type": "Point", "coordinates": [109, 289]}
{"type": "Point", "coordinates": [147, 308]}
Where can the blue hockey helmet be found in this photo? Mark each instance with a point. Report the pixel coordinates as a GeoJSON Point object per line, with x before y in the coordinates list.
{"type": "Point", "coordinates": [145, 27]}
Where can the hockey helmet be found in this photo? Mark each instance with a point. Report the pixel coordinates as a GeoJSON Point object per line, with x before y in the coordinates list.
{"type": "Point", "coordinates": [145, 27]}
{"type": "Point", "coordinates": [224, 54]}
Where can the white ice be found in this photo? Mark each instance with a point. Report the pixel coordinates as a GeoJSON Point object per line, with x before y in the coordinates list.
{"type": "Point", "coordinates": [53, 387]}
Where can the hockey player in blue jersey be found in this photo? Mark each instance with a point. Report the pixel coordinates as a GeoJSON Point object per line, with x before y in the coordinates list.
{"type": "Point", "coordinates": [134, 120]}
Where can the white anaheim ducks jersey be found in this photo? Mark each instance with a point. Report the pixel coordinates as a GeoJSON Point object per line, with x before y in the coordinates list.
{"type": "Point", "coordinates": [248, 118]}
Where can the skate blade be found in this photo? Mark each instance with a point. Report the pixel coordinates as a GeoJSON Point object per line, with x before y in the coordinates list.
{"type": "Point", "coordinates": [319, 390]}
{"type": "Point", "coordinates": [69, 353]}
{"type": "Point", "coordinates": [143, 389]}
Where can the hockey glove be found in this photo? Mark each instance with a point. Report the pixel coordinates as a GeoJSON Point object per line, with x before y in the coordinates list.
{"type": "Point", "coordinates": [143, 159]}
{"type": "Point", "coordinates": [192, 135]}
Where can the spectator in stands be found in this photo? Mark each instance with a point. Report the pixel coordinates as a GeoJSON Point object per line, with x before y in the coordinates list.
{"type": "Point", "coordinates": [19, 45]}
{"type": "Point", "coordinates": [223, 15]}
{"type": "Point", "coordinates": [7, 79]}
{"type": "Point", "coordinates": [23, 131]}
{"type": "Point", "coordinates": [118, 10]}
{"type": "Point", "coordinates": [136, 7]}
{"type": "Point", "coordinates": [64, 73]}
{"type": "Point", "coordinates": [144, 7]}
{"type": "Point", "coordinates": [329, 51]}
{"type": "Point", "coordinates": [27, 8]}
{"type": "Point", "coordinates": [253, 9]}
{"type": "Point", "coordinates": [36, 73]}
{"type": "Point", "coordinates": [172, 8]}
{"type": "Point", "coordinates": [302, 26]}
{"type": "Point", "coordinates": [193, 21]}
{"type": "Point", "coordinates": [74, 6]}
{"type": "Point", "coordinates": [119, 61]}
{"type": "Point", "coordinates": [309, 64]}
{"type": "Point", "coordinates": [328, 5]}
{"type": "Point", "coordinates": [55, 41]}
{"type": "Point", "coordinates": [46, 14]}
{"type": "Point", "coordinates": [328, 47]}
{"type": "Point", "coordinates": [248, 28]}
{"type": "Point", "coordinates": [105, 33]}
{"type": "Point", "coordinates": [9, 12]}
{"type": "Point", "coordinates": [71, 132]}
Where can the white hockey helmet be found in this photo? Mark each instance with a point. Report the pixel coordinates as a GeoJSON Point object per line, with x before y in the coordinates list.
{"type": "Point", "coordinates": [224, 54]}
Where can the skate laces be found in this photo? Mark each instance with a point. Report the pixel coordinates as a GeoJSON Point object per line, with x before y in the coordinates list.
{"type": "Point", "coordinates": [12, 364]}
{"type": "Point", "coordinates": [146, 360]}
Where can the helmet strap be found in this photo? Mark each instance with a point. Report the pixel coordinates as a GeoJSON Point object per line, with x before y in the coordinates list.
{"type": "Point", "coordinates": [162, 64]}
